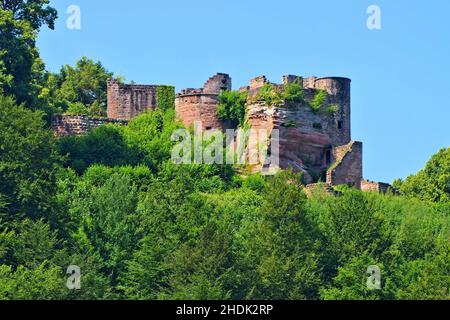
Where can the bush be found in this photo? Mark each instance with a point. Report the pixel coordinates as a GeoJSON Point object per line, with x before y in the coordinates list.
{"type": "Point", "coordinates": [270, 95]}
{"type": "Point", "coordinates": [232, 107]}
{"type": "Point", "coordinates": [319, 100]}
{"type": "Point", "coordinates": [293, 91]}
{"type": "Point", "coordinates": [165, 97]}
{"type": "Point", "coordinates": [103, 145]}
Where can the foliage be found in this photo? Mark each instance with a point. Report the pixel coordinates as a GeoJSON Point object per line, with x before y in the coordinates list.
{"type": "Point", "coordinates": [197, 232]}
{"type": "Point", "coordinates": [318, 104]}
{"type": "Point", "coordinates": [104, 145]}
{"type": "Point", "coordinates": [319, 100]}
{"type": "Point", "coordinates": [150, 134]}
{"type": "Point", "coordinates": [141, 227]}
{"type": "Point", "coordinates": [278, 255]}
{"type": "Point", "coordinates": [431, 183]}
{"type": "Point", "coordinates": [28, 161]}
{"type": "Point", "coordinates": [233, 107]}
{"type": "Point", "coordinates": [80, 87]}
{"type": "Point", "coordinates": [77, 108]}
{"type": "Point", "coordinates": [270, 95]}
{"type": "Point", "coordinates": [165, 97]}
{"type": "Point", "coordinates": [21, 68]}
{"type": "Point", "coordinates": [35, 12]}
{"type": "Point", "coordinates": [332, 109]}
{"type": "Point", "coordinates": [293, 91]}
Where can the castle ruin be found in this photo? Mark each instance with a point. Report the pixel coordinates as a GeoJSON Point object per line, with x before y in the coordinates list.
{"type": "Point", "coordinates": [315, 143]}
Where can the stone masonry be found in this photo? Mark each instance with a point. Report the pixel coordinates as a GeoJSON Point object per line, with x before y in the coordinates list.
{"type": "Point", "coordinates": [371, 186]}
{"type": "Point", "coordinates": [66, 125]}
{"type": "Point", "coordinates": [125, 101]}
{"type": "Point", "coordinates": [200, 105]}
{"type": "Point", "coordinates": [317, 144]}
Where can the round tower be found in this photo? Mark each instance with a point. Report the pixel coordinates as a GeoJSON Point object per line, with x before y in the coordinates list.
{"type": "Point", "coordinates": [338, 90]}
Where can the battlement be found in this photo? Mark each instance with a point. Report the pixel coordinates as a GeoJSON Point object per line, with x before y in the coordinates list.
{"type": "Point", "coordinates": [217, 83]}
{"type": "Point", "coordinates": [200, 105]}
{"type": "Point", "coordinates": [258, 82]}
{"type": "Point", "coordinates": [318, 144]}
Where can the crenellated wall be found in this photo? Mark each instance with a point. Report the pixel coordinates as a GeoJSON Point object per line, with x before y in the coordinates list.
{"type": "Point", "coordinates": [200, 105]}
{"type": "Point", "coordinates": [217, 83]}
{"type": "Point", "coordinates": [317, 143]}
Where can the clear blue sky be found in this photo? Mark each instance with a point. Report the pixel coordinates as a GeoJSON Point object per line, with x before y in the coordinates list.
{"type": "Point", "coordinates": [400, 74]}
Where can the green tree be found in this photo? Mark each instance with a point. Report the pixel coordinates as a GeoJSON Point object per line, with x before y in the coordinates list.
{"type": "Point", "coordinates": [233, 107]}
{"type": "Point", "coordinates": [279, 250]}
{"type": "Point", "coordinates": [21, 69]}
{"type": "Point", "coordinates": [28, 162]}
{"type": "Point", "coordinates": [351, 281]}
{"type": "Point", "coordinates": [424, 279]}
{"type": "Point", "coordinates": [80, 89]}
{"type": "Point", "coordinates": [104, 145]}
{"type": "Point", "coordinates": [293, 91]}
{"type": "Point", "coordinates": [431, 183]}
{"type": "Point", "coordinates": [354, 226]}
{"type": "Point", "coordinates": [108, 223]}
{"type": "Point", "coordinates": [42, 283]}
{"type": "Point", "coordinates": [35, 12]}
{"type": "Point", "coordinates": [30, 255]}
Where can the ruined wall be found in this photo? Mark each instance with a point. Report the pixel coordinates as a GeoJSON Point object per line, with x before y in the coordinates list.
{"type": "Point", "coordinates": [307, 138]}
{"type": "Point", "coordinates": [217, 83]}
{"type": "Point", "coordinates": [371, 186]}
{"type": "Point", "coordinates": [126, 101]}
{"type": "Point", "coordinates": [338, 90]}
{"type": "Point", "coordinates": [347, 168]}
{"type": "Point", "coordinates": [302, 147]}
{"type": "Point", "coordinates": [200, 105]}
{"type": "Point", "coordinates": [65, 125]}
{"type": "Point", "coordinates": [315, 143]}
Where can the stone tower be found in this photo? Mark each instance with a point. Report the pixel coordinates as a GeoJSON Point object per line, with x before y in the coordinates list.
{"type": "Point", "coordinates": [200, 105]}
{"type": "Point", "coordinates": [316, 143]}
{"type": "Point", "coordinates": [125, 101]}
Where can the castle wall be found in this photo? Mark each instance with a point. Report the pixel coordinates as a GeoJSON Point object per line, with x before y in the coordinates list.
{"type": "Point", "coordinates": [307, 138]}
{"type": "Point", "coordinates": [302, 147]}
{"type": "Point", "coordinates": [371, 186]}
{"type": "Point", "coordinates": [126, 101]}
{"type": "Point", "coordinates": [217, 83]}
{"type": "Point", "coordinates": [338, 90]}
{"type": "Point", "coordinates": [65, 125]}
{"type": "Point", "coordinates": [198, 107]}
{"type": "Point", "coordinates": [347, 168]}
{"type": "Point", "coordinates": [315, 143]}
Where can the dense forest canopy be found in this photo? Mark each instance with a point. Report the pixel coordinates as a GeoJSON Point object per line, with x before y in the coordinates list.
{"type": "Point", "coordinates": [140, 227]}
